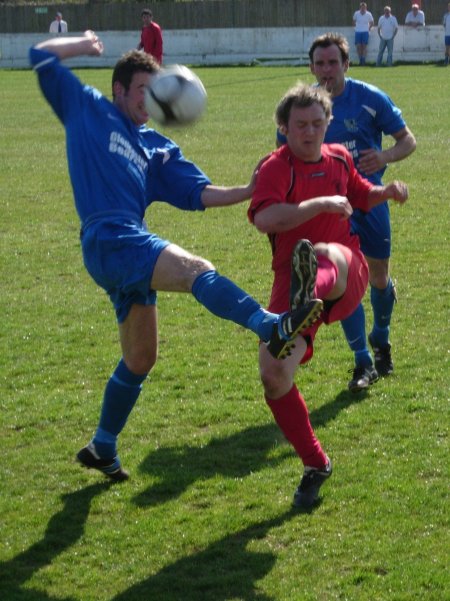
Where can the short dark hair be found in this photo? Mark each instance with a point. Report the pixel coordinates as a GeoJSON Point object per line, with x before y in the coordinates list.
{"type": "Point", "coordinates": [133, 62]}
{"type": "Point", "coordinates": [146, 11]}
{"type": "Point", "coordinates": [302, 96]}
{"type": "Point", "coordinates": [329, 39]}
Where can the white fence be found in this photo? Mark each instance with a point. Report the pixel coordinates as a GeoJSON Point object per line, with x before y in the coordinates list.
{"type": "Point", "coordinates": [234, 46]}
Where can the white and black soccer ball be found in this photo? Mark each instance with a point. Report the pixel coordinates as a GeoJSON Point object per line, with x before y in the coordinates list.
{"type": "Point", "coordinates": [175, 96]}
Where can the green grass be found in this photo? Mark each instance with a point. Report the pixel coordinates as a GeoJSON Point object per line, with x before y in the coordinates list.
{"type": "Point", "coordinates": [206, 515]}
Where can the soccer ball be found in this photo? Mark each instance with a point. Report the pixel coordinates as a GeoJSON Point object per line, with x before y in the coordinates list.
{"type": "Point", "coordinates": [175, 96]}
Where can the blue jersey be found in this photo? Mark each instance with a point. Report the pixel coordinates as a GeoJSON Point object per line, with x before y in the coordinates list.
{"type": "Point", "coordinates": [115, 166]}
{"type": "Point", "coordinates": [361, 115]}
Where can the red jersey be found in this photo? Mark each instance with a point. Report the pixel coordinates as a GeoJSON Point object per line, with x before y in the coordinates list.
{"type": "Point", "coordinates": [284, 178]}
{"type": "Point", "coordinates": [152, 42]}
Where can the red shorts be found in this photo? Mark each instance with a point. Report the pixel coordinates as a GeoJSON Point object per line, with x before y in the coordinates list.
{"type": "Point", "coordinates": [358, 278]}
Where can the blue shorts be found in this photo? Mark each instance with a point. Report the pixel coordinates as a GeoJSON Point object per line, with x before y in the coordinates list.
{"type": "Point", "coordinates": [120, 255]}
{"type": "Point", "coordinates": [447, 40]}
{"type": "Point", "coordinates": [374, 231]}
{"type": "Point", "coordinates": [361, 37]}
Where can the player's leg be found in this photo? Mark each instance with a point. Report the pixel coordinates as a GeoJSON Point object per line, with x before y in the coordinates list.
{"type": "Point", "coordinates": [383, 299]}
{"type": "Point", "coordinates": [139, 343]}
{"type": "Point", "coordinates": [375, 236]}
{"type": "Point", "coordinates": [291, 415]}
{"type": "Point", "coordinates": [180, 271]}
{"type": "Point", "coordinates": [318, 271]}
{"type": "Point", "coordinates": [374, 233]}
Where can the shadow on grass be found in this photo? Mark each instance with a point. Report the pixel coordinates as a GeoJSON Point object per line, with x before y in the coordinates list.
{"type": "Point", "coordinates": [328, 412]}
{"type": "Point", "coordinates": [235, 456]}
{"type": "Point", "coordinates": [224, 570]}
{"type": "Point", "coordinates": [63, 530]}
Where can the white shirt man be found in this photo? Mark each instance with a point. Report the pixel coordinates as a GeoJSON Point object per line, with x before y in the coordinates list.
{"type": "Point", "coordinates": [363, 19]}
{"type": "Point", "coordinates": [58, 25]}
{"type": "Point", "coordinates": [415, 18]}
{"type": "Point", "coordinates": [387, 30]}
{"type": "Point", "coordinates": [363, 23]}
{"type": "Point", "coordinates": [387, 25]}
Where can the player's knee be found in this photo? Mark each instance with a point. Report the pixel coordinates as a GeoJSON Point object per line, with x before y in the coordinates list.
{"type": "Point", "coordinates": [141, 361]}
{"type": "Point", "coordinates": [275, 380]}
{"type": "Point", "coordinates": [378, 273]}
{"type": "Point", "coordinates": [198, 266]}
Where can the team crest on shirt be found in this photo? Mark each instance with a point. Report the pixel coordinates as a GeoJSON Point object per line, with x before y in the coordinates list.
{"type": "Point", "coordinates": [351, 125]}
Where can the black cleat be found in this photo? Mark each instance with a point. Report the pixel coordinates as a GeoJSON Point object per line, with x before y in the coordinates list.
{"type": "Point", "coordinates": [291, 324]}
{"type": "Point", "coordinates": [303, 274]}
{"type": "Point", "coordinates": [363, 377]}
{"type": "Point", "coordinates": [383, 359]}
{"type": "Point", "coordinates": [110, 467]}
{"type": "Point", "coordinates": [307, 493]}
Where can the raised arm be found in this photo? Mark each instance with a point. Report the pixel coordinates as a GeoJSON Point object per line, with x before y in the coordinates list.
{"type": "Point", "coordinates": [67, 47]}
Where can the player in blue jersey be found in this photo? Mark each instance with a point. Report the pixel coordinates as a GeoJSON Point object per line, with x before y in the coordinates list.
{"type": "Point", "coordinates": [362, 115]}
{"type": "Point", "coordinates": [118, 167]}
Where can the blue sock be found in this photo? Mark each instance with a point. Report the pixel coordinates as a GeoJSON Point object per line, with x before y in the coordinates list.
{"type": "Point", "coordinates": [383, 305]}
{"type": "Point", "coordinates": [226, 300]}
{"type": "Point", "coordinates": [121, 394]}
{"type": "Point", "coordinates": [354, 327]}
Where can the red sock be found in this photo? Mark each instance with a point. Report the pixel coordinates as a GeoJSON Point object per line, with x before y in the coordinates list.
{"type": "Point", "coordinates": [326, 276]}
{"type": "Point", "coordinates": [291, 414]}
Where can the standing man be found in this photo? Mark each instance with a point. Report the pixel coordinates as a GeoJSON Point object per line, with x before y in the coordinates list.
{"type": "Point", "coordinates": [58, 25]}
{"type": "Point", "coordinates": [446, 23]}
{"type": "Point", "coordinates": [362, 114]}
{"type": "Point", "coordinates": [118, 167]}
{"type": "Point", "coordinates": [363, 23]}
{"type": "Point", "coordinates": [304, 194]}
{"type": "Point", "coordinates": [415, 18]}
{"type": "Point", "coordinates": [387, 30]}
{"type": "Point", "coordinates": [151, 36]}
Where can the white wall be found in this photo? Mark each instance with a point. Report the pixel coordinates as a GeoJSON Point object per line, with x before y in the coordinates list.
{"type": "Point", "coordinates": [234, 46]}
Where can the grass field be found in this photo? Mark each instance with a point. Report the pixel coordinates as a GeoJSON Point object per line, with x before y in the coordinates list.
{"type": "Point", "coordinates": [206, 515]}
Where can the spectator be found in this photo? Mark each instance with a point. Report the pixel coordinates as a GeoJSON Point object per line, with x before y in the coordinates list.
{"type": "Point", "coordinates": [363, 23]}
{"type": "Point", "coordinates": [446, 23]}
{"type": "Point", "coordinates": [151, 36]}
{"type": "Point", "coordinates": [58, 25]}
{"type": "Point", "coordinates": [387, 30]}
{"type": "Point", "coordinates": [415, 18]}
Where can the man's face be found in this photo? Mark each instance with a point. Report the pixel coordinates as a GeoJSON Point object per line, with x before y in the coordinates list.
{"type": "Point", "coordinates": [329, 69]}
{"type": "Point", "coordinates": [305, 131]}
{"type": "Point", "coordinates": [132, 101]}
{"type": "Point", "coordinates": [146, 20]}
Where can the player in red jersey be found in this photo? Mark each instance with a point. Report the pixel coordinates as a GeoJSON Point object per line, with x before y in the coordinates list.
{"type": "Point", "coordinates": [305, 192]}
{"type": "Point", "coordinates": [151, 40]}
